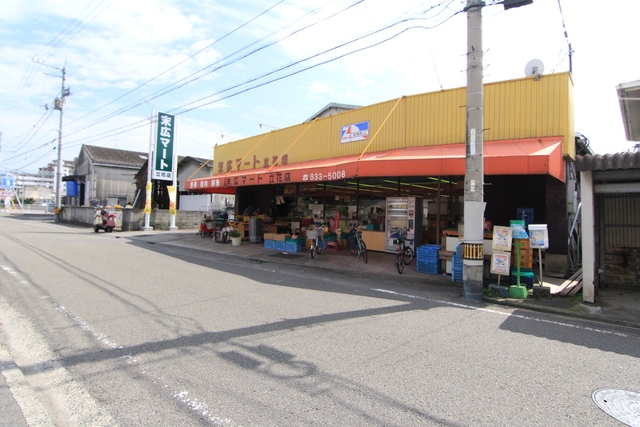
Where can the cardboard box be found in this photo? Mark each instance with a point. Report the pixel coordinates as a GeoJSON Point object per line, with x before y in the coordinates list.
{"type": "Point", "coordinates": [274, 236]}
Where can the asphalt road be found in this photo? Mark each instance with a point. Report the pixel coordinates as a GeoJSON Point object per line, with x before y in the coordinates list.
{"type": "Point", "coordinates": [123, 329]}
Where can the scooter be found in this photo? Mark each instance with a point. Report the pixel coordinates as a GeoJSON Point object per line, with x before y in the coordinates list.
{"type": "Point", "coordinates": [103, 220]}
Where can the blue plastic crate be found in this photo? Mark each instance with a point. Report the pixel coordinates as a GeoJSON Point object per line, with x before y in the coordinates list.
{"type": "Point", "coordinates": [428, 250]}
{"type": "Point", "coordinates": [293, 247]}
{"type": "Point", "coordinates": [429, 247]}
{"type": "Point", "coordinates": [434, 269]}
{"type": "Point", "coordinates": [269, 244]}
{"type": "Point", "coordinates": [280, 245]}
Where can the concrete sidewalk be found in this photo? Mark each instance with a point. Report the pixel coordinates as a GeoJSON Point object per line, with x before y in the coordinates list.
{"type": "Point", "coordinates": [619, 307]}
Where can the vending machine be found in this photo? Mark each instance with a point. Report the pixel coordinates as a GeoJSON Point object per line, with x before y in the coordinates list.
{"type": "Point", "coordinates": [403, 213]}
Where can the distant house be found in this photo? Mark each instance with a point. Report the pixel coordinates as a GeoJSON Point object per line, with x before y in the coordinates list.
{"type": "Point", "coordinates": [330, 109]}
{"type": "Point", "coordinates": [105, 176]}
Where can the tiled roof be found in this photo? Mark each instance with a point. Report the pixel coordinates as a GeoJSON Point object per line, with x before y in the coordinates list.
{"type": "Point", "coordinates": [116, 157]}
{"type": "Point", "coordinates": [607, 162]}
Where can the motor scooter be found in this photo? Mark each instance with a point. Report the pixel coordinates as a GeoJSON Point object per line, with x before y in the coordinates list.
{"type": "Point", "coordinates": [104, 220]}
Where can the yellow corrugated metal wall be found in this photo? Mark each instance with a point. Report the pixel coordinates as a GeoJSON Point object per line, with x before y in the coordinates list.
{"type": "Point", "coordinates": [514, 109]}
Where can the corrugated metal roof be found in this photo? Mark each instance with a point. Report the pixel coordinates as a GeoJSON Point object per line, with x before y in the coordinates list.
{"type": "Point", "coordinates": [116, 157]}
{"type": "Point", "coordinates": [607, 162]}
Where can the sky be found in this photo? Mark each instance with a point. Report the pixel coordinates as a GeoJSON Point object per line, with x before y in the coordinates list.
{"type": "Point", "coordinates": [227, 67]}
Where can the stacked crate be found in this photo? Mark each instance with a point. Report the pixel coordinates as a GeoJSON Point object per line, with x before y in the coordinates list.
{"type": "Point", "coordinates": [456, 267]}
{"type": "Point", "coordinates": [294, 244]}
{"type": "Point", "coordinates": [526, 263]}
{"type": "Point", "coordinates": [428, 259]}
{"type": "Point", "coordinates": [526, 254]}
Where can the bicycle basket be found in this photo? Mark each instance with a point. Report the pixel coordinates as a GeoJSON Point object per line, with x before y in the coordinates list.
{"type": "Point", "coordinates": [312, 234]}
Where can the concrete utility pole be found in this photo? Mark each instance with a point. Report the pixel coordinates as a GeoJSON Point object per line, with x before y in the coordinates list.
{"type": "Point", "coordinates": [473, 253]}
{"type": "Point", "coordinates": [59, 105]}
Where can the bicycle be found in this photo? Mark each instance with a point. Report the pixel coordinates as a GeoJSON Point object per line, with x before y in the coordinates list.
{"type": "Point", "coordinates": [404, 253]}
{"type": "Point", "coordinates": [356, 245]}
{"type": "Point", "coordinates": [316, 241]}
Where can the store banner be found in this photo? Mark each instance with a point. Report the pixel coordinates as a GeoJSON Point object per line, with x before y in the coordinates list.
{"type": "Point", "coordinates": [163, 165]}
{"type": "Point", "coordinates": [172, 199]}
{"type": "Point", "coordinates": [147, 203]}
{"type": "Point", "coordinates": [354, 132]}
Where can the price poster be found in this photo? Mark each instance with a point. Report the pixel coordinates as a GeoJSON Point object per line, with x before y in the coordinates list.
{"type": "Point", "coordinates": [500, 263]}
{"type": "Point", "coordinates": [501, 238]}
{"type": "Point", "coordinates": [539, 236]}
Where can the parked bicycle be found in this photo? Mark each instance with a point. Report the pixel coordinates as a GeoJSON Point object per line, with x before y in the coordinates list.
{"type": "Point", "coordinates": [404, 253]}
{"type": "Point", "coordinates": [315, 234]}
{"type": "Point", "coordinates": [356, 245]}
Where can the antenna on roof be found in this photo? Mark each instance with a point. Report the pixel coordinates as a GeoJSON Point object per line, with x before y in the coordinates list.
{"type": "Point", "coordinates": [535, 67]}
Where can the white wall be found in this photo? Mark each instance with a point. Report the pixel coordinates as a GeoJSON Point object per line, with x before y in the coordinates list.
{"type": "Point", "coordinates": [196, 202]}
{"type": "Point", "coordinates": [205, 202]}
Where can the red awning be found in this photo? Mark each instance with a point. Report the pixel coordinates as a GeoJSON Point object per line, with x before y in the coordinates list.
{"type": "Point", "coordinates": [534, 156]}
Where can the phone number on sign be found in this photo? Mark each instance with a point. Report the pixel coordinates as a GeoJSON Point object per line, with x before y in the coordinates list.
{"type": "Point", "coordinates": [325, 177]}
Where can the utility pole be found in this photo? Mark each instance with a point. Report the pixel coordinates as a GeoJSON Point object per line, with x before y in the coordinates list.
{"type": "Point", "coordinates": [59, 105]}
{"type": "Point", "coordinates": [473, 253]}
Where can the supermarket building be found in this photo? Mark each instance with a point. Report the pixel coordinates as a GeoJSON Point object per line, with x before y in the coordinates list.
{"type": "Point", "coordinates": [345, 165]}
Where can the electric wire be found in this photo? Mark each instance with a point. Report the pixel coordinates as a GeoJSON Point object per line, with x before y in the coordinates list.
{"type": "Point", "coordinates": [62, 39]}
{"type": "Point", "coordinates": [569, 51]}
{"type": "Point", "coordinates": [31, 71]}
{"type": "Point", "coordinates": [150, 98]}
{"type": "Point", "coordinates": [179, 63]}
{"type": "Point", "coordinates": [205, 71]}
{"type": "Point", "coordinates": [185, 108]}
{"type": "Point", "coordinates": [182, 109]}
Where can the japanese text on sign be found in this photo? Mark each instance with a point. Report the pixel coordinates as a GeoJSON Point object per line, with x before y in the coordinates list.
{"type": "Point", "coordinates": [163, 168]}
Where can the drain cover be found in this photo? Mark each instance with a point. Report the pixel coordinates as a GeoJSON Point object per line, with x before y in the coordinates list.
{"type": "Point", "coordinates": [623, 405]}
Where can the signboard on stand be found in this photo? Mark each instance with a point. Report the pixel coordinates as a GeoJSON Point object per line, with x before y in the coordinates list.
{"type": "Point", "coordinates": [539, 236]}
{"type": "Point", "coordinates": [500, 263]}
{"type": "Point", "coordinates": [163, 159]}
{"type": "Point", "coordinates": [502, 237]}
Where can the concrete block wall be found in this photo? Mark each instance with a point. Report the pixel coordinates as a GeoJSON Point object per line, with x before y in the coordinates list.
{"type": "Point", "coordinates": [133, 219]}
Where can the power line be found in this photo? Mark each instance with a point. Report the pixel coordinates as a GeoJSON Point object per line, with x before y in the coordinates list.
{"type": "Point", "coordinates": [204, 71]}
{"type": "Point", "coordinates": [183, 109]}
{"type": "Point", "coordinates": [172, 87]}
{"type": "Point", "coordinates": [179, 63]}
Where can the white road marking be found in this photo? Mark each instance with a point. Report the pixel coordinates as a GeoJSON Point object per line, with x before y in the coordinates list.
{"type": "Point", "coordinates": [502, 313]}
{"type": "Point", "coordinates": [183, 396]}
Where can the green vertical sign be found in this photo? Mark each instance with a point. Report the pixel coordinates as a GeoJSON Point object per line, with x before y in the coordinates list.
{"type": "Point", "coordinates": [163, 168]}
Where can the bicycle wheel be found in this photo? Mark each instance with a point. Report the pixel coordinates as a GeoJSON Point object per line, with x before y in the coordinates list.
{"type": "Point", "coordinates": [407, 255]}
{"type": "Point", "coordinates": [319, 246]}
{"type": "Point", "coordinates": [399, 263]}
{"type": "Point", "coordinates": [312, 252]}
{"type": "Point", "coordinates": [363, 252]}
{"type": "Point", "coordinates": [352, 244]}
